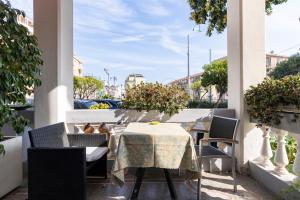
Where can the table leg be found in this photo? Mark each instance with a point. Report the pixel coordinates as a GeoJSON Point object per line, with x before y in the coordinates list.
{"type": "Point", "coordinates": [170, 184]}
{"type": "Point", "coordinates": [138, 182]}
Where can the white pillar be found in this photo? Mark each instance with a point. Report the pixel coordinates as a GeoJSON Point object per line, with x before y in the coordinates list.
{"type": "Point", "coordinates": [266, 150]}
{"type": "Point", "coordinates": [53, 26]}
{"type": "Point", "coordinates": [281, 159]}
{"type": "Point", "coordinates": [247, 66]}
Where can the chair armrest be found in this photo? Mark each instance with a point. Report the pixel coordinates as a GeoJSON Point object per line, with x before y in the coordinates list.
{"type": "Point", "coordinates": [84, 140]}
{"type": "Point", "coordinates": [219, 140]}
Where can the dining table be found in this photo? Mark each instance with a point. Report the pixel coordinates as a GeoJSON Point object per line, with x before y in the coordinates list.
{"type": "Point", "coordinates": [155, 145]}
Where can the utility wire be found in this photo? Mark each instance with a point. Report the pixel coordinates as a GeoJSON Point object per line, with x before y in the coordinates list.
{"type": "Point", "coordinates": [292, 47]}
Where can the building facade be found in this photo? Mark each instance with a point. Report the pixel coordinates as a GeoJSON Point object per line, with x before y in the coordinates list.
{"type": "Point", "coordinates": [133, 80]}
{"type": "Point", "coordinates": [271, 62]}
{"type": "Point", "coordinates": [25, 21]}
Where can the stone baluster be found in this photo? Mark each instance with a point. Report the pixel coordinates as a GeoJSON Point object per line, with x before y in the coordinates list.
{"type": "Point", "coordinates": [266, 150]}
{"type": "Point", "coordinates": [281, 159]}
{"type": "Point", "coordinates": [296, 166]}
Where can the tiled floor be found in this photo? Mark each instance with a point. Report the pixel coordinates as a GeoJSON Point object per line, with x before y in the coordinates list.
{"type": "Point", "coordinates": [214, 186]}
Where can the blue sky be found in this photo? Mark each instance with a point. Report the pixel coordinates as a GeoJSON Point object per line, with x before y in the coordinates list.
{"type": "Point", "coordinates": [149, 37]}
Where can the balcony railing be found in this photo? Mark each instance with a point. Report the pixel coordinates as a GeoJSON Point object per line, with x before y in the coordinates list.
{"type": "Point", "coordinates": [272, 167]}
{"type": "Point", "coordinates": [280, 157]}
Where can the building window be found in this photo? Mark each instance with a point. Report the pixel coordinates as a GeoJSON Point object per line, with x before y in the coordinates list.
{"type": "Point", "coordinates": [268, 61]}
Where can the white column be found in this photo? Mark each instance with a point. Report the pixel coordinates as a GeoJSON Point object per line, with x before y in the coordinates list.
{"type": "Point", "coordinates": [53, 26]}
{"type": "Point", "coordinates": [247, 66]}
{"type": "Point", "coordinates": [281, 159]}
{"type": "Point", "coordinates": [266, 150]}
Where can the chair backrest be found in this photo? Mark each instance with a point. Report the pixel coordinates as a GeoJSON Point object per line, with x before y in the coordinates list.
{"type": "Point", "coordinates": [52, 136]}
{"type": "Point", "coordinates": [223, 127]}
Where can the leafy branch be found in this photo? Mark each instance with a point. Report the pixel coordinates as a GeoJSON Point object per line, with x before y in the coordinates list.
{"type": "Point", "coordinates": [19, 61]}
{"type": "Point", "coordinates": [214, 13]}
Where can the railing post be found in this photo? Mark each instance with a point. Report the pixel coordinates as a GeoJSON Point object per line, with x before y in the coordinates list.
{"type": "Point", "coordinates": [281, 158]}
{"type": "Point", "coordinates": [296, 166]}
{"type": "Point", "coordinates": [266, 150]}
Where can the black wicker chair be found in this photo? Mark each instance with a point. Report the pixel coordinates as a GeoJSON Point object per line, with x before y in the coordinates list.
{"type": "Point", "coordinates": [222, 130]}
{"type": "Point", "coordinates": [58, 163]}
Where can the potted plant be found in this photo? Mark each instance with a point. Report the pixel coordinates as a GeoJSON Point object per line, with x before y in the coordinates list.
{"type": "Point", "coordinates": [270, 99]}
{"type": "Point", "coordinates": [19, 61]}
{"type": "Point", "coordinates": [155, 97]}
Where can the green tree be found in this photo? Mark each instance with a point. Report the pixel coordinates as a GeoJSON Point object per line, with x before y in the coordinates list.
{"type": "Point", "coordinates": [216, 75]}
{"type": "Point", "coordinates": [84, 87]}
{"type": "Point", "coordinates": [288, 67]}
{"type": "Point", "coordinates": [200, 90]}
{"type": "Point", "coordinates": [19, 61]}
{"type": "Point", "coordinates": [214, 13]}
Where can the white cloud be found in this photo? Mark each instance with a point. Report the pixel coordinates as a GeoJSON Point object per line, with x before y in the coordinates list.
{"type": "Point", "coordinates": [103, 57]}
{"type": "Point", "coordinates": [153, 7]}
{"type": "Point", "coordinates": [110, 9]}
{"type": "Point", "coordinates": [133, 38]}
{"type": "Point", "coordinates": [167, 42]}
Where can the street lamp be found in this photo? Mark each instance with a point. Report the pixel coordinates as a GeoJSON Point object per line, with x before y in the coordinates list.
{"type": "Point", "coordinates": [188, 62]}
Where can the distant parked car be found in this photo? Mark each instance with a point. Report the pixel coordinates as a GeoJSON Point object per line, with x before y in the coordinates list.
{"type": "Point", "coordinates": [114, 104]}
{"type": "Point", "coordinates": [84, 104]}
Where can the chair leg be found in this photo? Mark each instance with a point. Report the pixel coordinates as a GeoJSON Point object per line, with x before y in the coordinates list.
{"type": "Point", "coordinates": [234, 175]}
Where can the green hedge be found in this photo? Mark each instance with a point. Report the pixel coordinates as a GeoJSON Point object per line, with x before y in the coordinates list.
{"type": "Point", "coordinates": [206, 104]}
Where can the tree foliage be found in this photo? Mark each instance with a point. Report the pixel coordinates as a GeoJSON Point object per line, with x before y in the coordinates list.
{"type": "Point", "coordinates": [199, 89]}
{"type": "Point", "coordinates": [155, 96]}
{"type": "Point", "coordinates": [214, 13]}
{"type": "Point", "coordinates": [288, 67]}
{"type": "Point", "coordinates": [84, 87]}
{"type": "Point", "coordinates": [216, 75]}
{"type": "Point", "coordinates": [19, 62]}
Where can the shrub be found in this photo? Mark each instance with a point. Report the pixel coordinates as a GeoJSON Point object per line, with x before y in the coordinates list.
{"type": "Point", "coordinates": [266, 100]}
{"type": "Point", "coordinates": [206, 104]}
{"type": "Point", "coordinates": [155, 96]}
{"type": "Point", "coordinates": [100, 106]}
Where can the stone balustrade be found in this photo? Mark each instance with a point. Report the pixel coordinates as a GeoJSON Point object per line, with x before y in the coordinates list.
{"type": "Point", "coordinates": [280, 157]}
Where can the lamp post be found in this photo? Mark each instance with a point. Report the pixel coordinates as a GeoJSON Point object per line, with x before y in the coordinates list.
{"type": "Point", "coordinates": [107, 73]}
{"type": "Point", "coordinates": [188, 66]}
{"type": "Point", "coordinates": [188, 63]}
